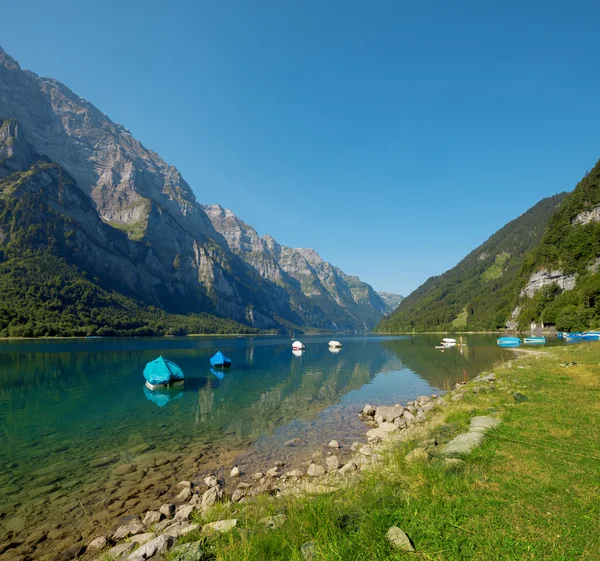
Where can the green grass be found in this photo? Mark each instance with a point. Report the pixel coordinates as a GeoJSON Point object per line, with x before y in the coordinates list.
{"type": "Point", "coordinates": [495, 270]}
{"type": "Point", "coordinates": [531, 491]}
{"type": "Point", "coordinates": [461, 319]}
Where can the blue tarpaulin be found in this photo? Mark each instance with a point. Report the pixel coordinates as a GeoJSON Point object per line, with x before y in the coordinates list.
{"type": "Point", "coordinates": [162, 371]}
{"type": "Point", "coordinates": [220, 360]}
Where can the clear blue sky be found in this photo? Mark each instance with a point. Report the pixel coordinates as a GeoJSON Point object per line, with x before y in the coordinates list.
{"type": "Point", "coordinates": [391, 136]}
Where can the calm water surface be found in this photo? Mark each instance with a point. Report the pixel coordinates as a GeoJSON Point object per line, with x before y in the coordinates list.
{"type": "Point", "coordinates": [73, 411]}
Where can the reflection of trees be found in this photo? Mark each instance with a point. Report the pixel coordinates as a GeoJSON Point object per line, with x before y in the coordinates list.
{"type": "Point", "coordinates": [206, 399]}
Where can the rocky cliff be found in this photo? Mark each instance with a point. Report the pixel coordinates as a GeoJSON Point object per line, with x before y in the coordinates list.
{"type": "Point", "coordinates": [147, 236]}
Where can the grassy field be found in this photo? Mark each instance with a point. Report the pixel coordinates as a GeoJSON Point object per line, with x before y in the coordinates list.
{"type": "Point", "coordinates": [531, 491]}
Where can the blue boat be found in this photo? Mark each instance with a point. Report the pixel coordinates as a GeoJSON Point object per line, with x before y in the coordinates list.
{"type": "Point", "coordinates": [591, 336]}
{"type": "Point", "coordinates": [575, 336]}
{"type": "Point", "coordinates": [509, 341]}
{"type": "Point", "coordinates": [162, 372]}
{"type": "Point", "coordinates": [534, 340]}
{"type": "Point", "coordinates": [220, 360]}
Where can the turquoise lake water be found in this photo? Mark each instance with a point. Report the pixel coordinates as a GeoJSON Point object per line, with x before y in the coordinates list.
{"type": "Point", "coordinates": [73, 410]}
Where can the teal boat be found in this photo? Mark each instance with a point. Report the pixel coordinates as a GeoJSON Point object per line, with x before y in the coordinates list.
{"type": "Point", "coordinates": [534, 340]}
{"type": "Point", "coordinates": [161, 373]}
{"type": "Point", "coordinates": [509, 341]}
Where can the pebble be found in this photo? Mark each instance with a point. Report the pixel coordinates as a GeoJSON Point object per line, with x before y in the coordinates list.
{"type": "Point", "coordinates": [235, 472]}
{"type": "Point", "coordinates": [399, 539]}
{"type": "Point", "coordinates": [334, 444]}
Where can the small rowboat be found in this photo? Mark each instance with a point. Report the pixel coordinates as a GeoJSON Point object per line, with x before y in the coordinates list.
{"type": "Point", "coordinates": [509, 341]}
{"type": "Point", "coordinates": [335, 344]}
{"type": "Point", "coordinates": [162, 373]}
{"type": "Point", "coordinates": [534, 340]}
{"type": "Point", "coordinates": [297, 345]}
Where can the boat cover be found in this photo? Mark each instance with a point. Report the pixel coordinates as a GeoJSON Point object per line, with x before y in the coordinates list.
{"type": "Point", "coordinates": [162, 397]}
{"type": "Point", "coordinates": [220, 360]}
{"type": "Point", "coordinates": [162, 371]}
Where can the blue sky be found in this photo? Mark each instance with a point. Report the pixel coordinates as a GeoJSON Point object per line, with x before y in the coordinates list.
{"type": "Point", "coordinates": [393, 137]}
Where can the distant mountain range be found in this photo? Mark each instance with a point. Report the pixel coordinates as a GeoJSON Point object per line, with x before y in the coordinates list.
{"type": "Point", "coordinates": [79, 191]}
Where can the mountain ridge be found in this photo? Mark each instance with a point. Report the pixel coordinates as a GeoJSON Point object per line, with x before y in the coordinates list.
{"type": "Point", "coordinates": [157, 240]}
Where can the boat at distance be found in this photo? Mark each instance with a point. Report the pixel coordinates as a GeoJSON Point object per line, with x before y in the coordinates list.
{"type": "Point", "coordinates": [534, 340]}
{"type": "Point", "coordinates": [219, 360]}
{"type": "Point", "coordinates": [297, 345]}
{"type": "Point", "coordinates": [335, 344]}
{"type": "Point", "coordinates": [509, 341]}
{"type": "Point", "coordinates": [162, 373]}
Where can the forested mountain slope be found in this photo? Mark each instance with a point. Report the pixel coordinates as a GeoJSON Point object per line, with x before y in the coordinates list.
{"type": "Point", "coordinates": [478, 293]}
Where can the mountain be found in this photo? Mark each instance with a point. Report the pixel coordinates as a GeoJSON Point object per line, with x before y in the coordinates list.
{"type": "Point", "coordinates": [559, 284]}
{"type": "Point", "coordinates": [137, 228]}
{"type": "Point", "coordinates": [320, 293]}
{"type": "Point", "coordinates": [478, 293]}
{"type": "Point", "coordinates": [390, 300]}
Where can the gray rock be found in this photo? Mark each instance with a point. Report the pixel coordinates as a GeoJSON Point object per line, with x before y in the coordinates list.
{"type": "Point", "coordinates": [349, 467]}
{"type": "Point", "coordinates": [235, 472]}
{"type": "Point", "coordinates": [365, 450]}
{"type": "Point", "coordinates": [315, 470]}
{"type": "Point", "coordinates": [220, 526]}
{"type": "Point", "coordinates": [420, 418]}
{"type": "Point", "coordinates": [185, 484]}
{"type": "Point", "coordinates": [181, 529]}
{"type": "Point", "coordinates": [238, 495]}
{"type": "Point", "coordinates": [120, 550]}
{"type": "Point", "coordinates": [463, 444]}
{"type": "Point", "coordinates": [483, 424]}
{"type": "Point", "coordinates": [293, 442]}
{"type": "Point", "coordinates": [309, 551]}
{"type": "Point", "coordinates": [157, 546]}
{"type": "Point", "coordinates": [141, 539]}
{"type": "Point", "coordinates": [274, 472]}
{"type": "Point", "coordinates": [334, 444]}
{"type": "Point", "coordinates": [333, 463]}
{"type": "Point", "coordinates": [152, 517]}
{"type": "Point", "coordinates": [97, 544]}
{"type": "Point", "coordinates": [389, 413]}
{"type": "Point", "coordinates": [167, 510]}
{"type": "Point", "coordinates": [274, 522]}
{"type": "Point", "coordinates": [294, 473]}
{"type": "Point", "coordinates": [124, 469]}
{"type": "Point", "coordinates": [211, 481]}
{"type": "Point", "coordinates": [130, 529]}
{"type": "Point", "coordinates": [188, 552]}
{"type": "Point", "coordinates": [212, 497]}
{"type": "Point", "coordinates": [258, 476]}
{"type": "Point", "coordinates": [457, 397]}
{"type": "Point", "coordinates": [400, 423]}
{"type": "Point", "coordinates": [195, 500]}
{"type": "Point", "coordinates": [399, 539]}
{"type": "Point", "coordinates": [355, 446]}
{"type": "Point", "coordinates": [184, 496]}
{"type": "Point", "coordinates": [184, 512]}
{"type": "Point", "coordinates": [408, 416]}
{"type": "Point", "coordinates": [368, 410]}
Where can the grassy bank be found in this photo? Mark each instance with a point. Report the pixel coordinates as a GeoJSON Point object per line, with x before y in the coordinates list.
{"type": "Point", "coordinates": [531, 491]}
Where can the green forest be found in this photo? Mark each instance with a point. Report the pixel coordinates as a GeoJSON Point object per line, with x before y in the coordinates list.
{"type": "Point", "coordinates": [479, 293]}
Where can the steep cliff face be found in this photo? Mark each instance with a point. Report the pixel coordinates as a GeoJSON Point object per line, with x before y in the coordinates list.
{"type": "Point", "coordinates": [559, 283]}
{"type": "Point", "coordinates": [145, 233]}
{"type": "Point", "coordinates": [391, 301]}
{"type": "Point", "coordinates": [316, 288]}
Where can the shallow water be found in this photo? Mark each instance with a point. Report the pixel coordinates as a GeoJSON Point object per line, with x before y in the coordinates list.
{"type": "Point", "coordinates": [73, 411]}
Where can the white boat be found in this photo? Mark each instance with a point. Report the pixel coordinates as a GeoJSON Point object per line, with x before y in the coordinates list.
{"type": "Point", "coordinates": [297, 345]}
{"type": "Point", "coordinates": [448, 340]}
{"type": "Point", "coordinates": [335, 344]}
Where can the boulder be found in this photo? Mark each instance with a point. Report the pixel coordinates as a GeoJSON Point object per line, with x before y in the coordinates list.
{"type": "Point", "coordinates": [184, 484]}
{"type": "Point", "coordinates": [157, 546]}
{"type": "Point", "coordinates": [184, 512]}
{"type": "Point", "coordinates": [97, 544]}
{"type": "Point", "coordinates": [294, 473]}
{"type": "Point", "coordinates": [365, 450]}
{"type": "Point", "coordinates": [235, 472]}
{"type": "Point", "coordinates": [368, 410]}
{"type": "Point", "coordinates": [399, 539]}
{"type": "Point", "coordinates": [167, 510]}
{"type": "Point", "coordinates": [211, 481]}
{"type": "Point", "coordinates": [389, 413]}
{"type": "Point", "coordinates": [334, 444]}
{"type": "Point", "coordinates": [484, 423]}
{"type": "Point", "coordinates": [408, 416]}
{"type": "Point", "coordinates": [141, 539]}
{"type": "Point", "coordinates": [349, 467]}
{"type": "Point", "coordinates": [400, 423]}
{"type": "Point", "coordinates": [180, 529]}
{"type": "Point", "coordinates": [120, 550]}
{"type": "Point", "coordinates": [463, 444]}
{"type": "Point", "coordinates": [184, 496]}
{"type": "Point", "coordinates": [333, 463]}
{"type": "Point", "coordinates": [238, 495]}
{"type": "Point", "coordinates": [130, 529]}
{"type": "Point", "coordinates": [211, 497]}
{"type": "Point", "coordinates": [152, 517]}
{"type": "Point", "coordinates": [257, 476]}
{"type": "Point", "coordinates": [315, 470]}
{"type": "Point", "coordinates": [274, 472]}
{"type": "Point", "coordinates": [220, 526]}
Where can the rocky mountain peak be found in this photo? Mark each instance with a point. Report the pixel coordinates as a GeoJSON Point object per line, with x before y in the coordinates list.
{"type": "Point", "coordinates": [8, 61]}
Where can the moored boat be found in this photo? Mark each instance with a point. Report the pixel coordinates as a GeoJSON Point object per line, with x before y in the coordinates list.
{"type": "Point", "coordinates": [335, 344]}
{"type": "Point", "coordinates": [162, 373]}
{"type": "Point", "coordinates": [534, 340]}
{"type": "Point", "coordinates": [219, 360]}
{"type": "Point", "coordinates": [297, 345]}
{"type": "Point", "coordinates": [509, 341]}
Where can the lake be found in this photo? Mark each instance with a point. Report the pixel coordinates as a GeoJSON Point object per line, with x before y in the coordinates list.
{"type": "Point", "coordinates": [74, 414]}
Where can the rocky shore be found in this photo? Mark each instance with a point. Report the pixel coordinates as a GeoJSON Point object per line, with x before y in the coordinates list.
{"type": "Point", "coordinates": [206, 505]}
